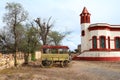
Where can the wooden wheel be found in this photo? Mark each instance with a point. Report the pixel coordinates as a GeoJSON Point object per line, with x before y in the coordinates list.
{"type": "Point", "coordinates": [46, 63]}
{"type": "Point", "coordinates": [65, 63]}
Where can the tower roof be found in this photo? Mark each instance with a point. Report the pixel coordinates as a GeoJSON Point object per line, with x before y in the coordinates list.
{"type": "Point", "coordinates": [85, 16]}
{"type": "Point", "coordinates": [85, 10]}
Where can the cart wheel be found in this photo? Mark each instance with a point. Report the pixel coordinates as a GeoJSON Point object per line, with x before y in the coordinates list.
{"type": "Point", "coordinates": [65, 63]}
{"type": "Point", "coordinates": [46, 63]}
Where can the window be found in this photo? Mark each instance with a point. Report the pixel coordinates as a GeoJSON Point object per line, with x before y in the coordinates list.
{"type": "Point", "coordinates": [94, 41]}
{"type": "Point", "coordinates": [117, 42]}
{"type": "Point", "coordinates": [102, 42]}
{"type": "Point", "coordinates": [83, 33]}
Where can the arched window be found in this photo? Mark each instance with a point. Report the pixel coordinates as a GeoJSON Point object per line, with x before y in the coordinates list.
{"type": "Point", "coordinates": [94, 42]}
{"type": "Point", "coordinates": [83, 33]}
{"type": "Point", "coordinates": [108, 42]}
{"type": "Point", "coordinates": [102, 42]}
{"type": "Point", "coordinates": [117, 42]}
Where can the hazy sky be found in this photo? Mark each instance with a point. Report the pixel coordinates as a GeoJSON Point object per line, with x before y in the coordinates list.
{"type": "Point", "coordinates": [65, 13]}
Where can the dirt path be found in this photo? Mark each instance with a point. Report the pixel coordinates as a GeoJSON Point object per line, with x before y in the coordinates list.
{"type": "Point", "coordinates": [78, 70]}
{"type": "Point", "coordinates": [99, 71]}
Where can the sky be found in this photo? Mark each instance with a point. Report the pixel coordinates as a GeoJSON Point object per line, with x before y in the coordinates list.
{"type": "Point", "coordinates": [65, 14]}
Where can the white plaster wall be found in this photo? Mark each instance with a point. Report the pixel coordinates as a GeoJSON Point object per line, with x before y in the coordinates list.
{"type": "Point", "coordinates": [100, 54]}
{"type": "Point", "coordinates": [85, 45]}
{"type": "Point", "coordinates": [99, 33]}
{"type": "Point", "coordinates": [112, 44]}
{"type": "Point", "coordinates": [90, 44]}
{"type": "Point", "coordinates": [93, 33]}
{"type": "Point", "coordinates": [106, 33]}
{"type": "Point", "coordinates": [115, 33]}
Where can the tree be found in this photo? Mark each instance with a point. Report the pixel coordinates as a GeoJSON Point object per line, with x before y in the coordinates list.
{"type": "Point", "coordinates": [56, 37]}
{"type": "Point", "coordinates": [13, 18]}
{"type": "Point", "coordinates": [30, 42]}
{"type": "Point", "coordinates": [44, 29]}
{"type": "Point", "coordinates": [6, 41]}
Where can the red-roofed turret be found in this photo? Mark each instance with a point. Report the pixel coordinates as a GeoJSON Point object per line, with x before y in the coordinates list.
{"type": "Point", "coordinates": [85, 16]}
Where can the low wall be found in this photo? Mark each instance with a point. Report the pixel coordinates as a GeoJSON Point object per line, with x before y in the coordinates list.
{"type": "Point", "coordinates": [7, 60]}
{"type": "Point", "coordinates": [99, 56]}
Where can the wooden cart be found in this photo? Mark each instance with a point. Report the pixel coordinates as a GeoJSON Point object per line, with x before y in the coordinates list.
{"type": "Point", "coordinates": [55, 54]}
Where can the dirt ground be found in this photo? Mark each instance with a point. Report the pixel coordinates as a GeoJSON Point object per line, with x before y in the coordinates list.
{"type": "Point", "coordinates": [77, 70]}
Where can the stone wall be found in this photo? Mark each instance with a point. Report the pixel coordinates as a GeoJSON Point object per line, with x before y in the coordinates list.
{"type": "Point", "coordinates": [7, 60]}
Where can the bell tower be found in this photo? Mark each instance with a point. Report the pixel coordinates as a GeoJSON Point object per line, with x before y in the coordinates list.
{"type": "Point", "coordinates": [85, 36]}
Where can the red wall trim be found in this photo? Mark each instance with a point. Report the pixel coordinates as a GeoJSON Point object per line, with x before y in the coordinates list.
{"type": "Point", "coordinates": [97, 58]}
{"type": "Point", "coordinates": [99, 49]}
{"type": "Point", "coordinates": [104, 28]}
{"type": "Point", "coordinates": [115, 50]}
{"type": "Point", "coordinates": [106, 39]}
{"type": "Point", "coordinates": [108, 42]}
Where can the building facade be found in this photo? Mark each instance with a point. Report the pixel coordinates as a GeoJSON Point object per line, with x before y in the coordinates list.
{"type": "Point", "coordinates": [99, 41]}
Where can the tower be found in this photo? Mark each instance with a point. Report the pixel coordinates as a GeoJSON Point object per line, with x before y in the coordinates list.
{"type": "Point", "coordinates": [85, 16]}
{"type": "Point", "coordinates": [85, 22]}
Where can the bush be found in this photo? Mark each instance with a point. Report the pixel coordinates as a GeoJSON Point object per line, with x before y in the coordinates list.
{"type": "Point", "coordinates": [33, 57]}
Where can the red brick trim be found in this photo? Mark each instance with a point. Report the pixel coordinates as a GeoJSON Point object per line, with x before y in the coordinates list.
{"type": "Point", "coordinates": [108, 42]}
{"type": "Point", "coordinates": [99, 49]}
{"type": "Point", "coordinates": [97, 58]}
{"type": "Point", "coordinates": [104, 28]}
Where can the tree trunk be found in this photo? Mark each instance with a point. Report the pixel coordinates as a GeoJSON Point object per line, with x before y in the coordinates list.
{"type": "Point", "coordinates": [15, 54]}
{"type": "Point", "coordinates": [44, 43]}
{"type": "Point", "coordinates": [26, 58]}
{"type": "Point", "coordinates": [15, 59]}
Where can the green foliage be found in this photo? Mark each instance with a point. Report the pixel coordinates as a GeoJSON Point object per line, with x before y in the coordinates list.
{"type": "Point", "coordinates": [33, 56]}
{"type": "Point", "coordinates": [15, 14]}
{"type": "Point", "coordinates": [13, 32]}
{"type": "Point", "coordinates": [55, 37]}
{"type": "Point", "coordinates": [32, 39]}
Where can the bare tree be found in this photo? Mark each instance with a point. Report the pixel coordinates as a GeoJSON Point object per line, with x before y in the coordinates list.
{"type": "Point", "coordinates": [44, 29]}
{"type": "Point", "coordinates": [13, 18]}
